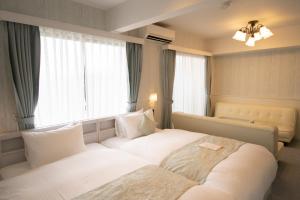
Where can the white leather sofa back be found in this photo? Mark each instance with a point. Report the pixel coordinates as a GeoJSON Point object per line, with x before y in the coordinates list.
{"type": "Point", "coordinates": [251, 133]}
{"type": "Point", "coordinates": [281, 117]}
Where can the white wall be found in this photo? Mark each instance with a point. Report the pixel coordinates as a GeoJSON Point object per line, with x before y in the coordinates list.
{"type": "Point", "coordinates": [150, 80]}
{"type": "Point", "coordinates": [264, 77]}
{"type": "Point", "coordinates": [131, 15]}
{"type": "Point", "coordinates": [189, 40]}
{"type": "Point", "coordinates": [60, 10]}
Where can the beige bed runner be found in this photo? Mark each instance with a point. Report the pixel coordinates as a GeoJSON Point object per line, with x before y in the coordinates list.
{"type": "Point", "coordinates": [195, 162]}
{"type": "Point", "coordinates": [150, 182]}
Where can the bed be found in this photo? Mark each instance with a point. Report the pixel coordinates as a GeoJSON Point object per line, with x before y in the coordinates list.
{"type": "Point", "coordinates": [243, 175]}
{"type": "Point", "coordinates": [240, 176]}
{"type": "Point", "coordinates": [93, 168]}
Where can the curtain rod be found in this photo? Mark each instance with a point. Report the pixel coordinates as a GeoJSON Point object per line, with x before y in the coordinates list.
{"type": "Point", "coordinates": [37, 21]}
{"type": "Point", "coordinates": [187, 50]}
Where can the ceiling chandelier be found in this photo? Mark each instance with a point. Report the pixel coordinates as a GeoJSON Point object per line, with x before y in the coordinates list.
{"type": "Point", "coordinates": [254, 31]}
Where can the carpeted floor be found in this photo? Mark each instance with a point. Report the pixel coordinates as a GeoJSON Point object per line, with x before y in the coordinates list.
{"type": "Point", "coordinates": [287, 183]}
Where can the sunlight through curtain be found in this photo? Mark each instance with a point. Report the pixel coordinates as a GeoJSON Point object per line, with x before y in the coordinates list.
{"type": "Point", "coordinates": [81, 77]}
{"type": "Point", "coordinates": [189, 93]}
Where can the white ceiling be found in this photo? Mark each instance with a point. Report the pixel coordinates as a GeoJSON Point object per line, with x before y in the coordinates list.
{"type": "Point", "coordinates": [102, 4]}
{"type": "Point", "coordinates": [212, 20]}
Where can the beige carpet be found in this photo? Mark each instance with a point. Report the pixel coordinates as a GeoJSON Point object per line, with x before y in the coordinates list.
{"type": "Point", "coordinates": [287, 183]}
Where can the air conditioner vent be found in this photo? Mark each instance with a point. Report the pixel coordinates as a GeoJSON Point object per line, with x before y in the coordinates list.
{"type": "Point", "coordinates": [159, 39]}
{"type": "Point", "coordinates": [160, 34]}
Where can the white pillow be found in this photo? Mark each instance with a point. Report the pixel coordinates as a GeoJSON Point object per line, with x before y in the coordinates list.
{"type": "Point", "coordinates": [147, 125]}
{"type": "Point", "coordinates": [119, 128]}
{"type": "Point", "coordinates": [149, 113]}
{"type": "Point", "coordinates": [49, 146]}
{"type": "Point", "coordinates": [130, 124]}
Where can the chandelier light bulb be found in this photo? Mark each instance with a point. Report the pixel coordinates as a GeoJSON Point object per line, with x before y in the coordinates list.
{"type": "Point", "coordinates": [257, 36]}
{"type": "Point", "coordinates": [251, 41]}
{"type": "Point", "coordinates": [265, 32]}
{"type": "Point", "coordinates": [239, 35]}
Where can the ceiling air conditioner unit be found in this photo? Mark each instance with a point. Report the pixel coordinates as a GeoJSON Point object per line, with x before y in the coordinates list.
{"type": "Point", "coordinates": [160, 34]}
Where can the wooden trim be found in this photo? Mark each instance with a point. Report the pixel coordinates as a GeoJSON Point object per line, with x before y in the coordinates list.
{"type": "Point", "coordinates": [37, 21]}
{"type": "Point", "coordinates": [187, 50]}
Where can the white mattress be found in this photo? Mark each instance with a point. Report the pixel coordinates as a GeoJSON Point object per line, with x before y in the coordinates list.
{"type": "Point", "coordinates": [246, 174]}
{"type": "Point", "coordinates": [23, 167]}
{"type": "Point", "coordinates": [72, 176]}
{"type": "Point", "coordinates": [115, 142]}
{"type": "Point", "coordinates": [75, 175]}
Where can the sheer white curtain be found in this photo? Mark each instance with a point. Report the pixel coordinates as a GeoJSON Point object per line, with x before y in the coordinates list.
{"type": "Point", "coordinates": [81, 77]}
{"type": "Point", "coordinates": [106, 77]}
{"type": "Point", "coordinates": [189, 84]}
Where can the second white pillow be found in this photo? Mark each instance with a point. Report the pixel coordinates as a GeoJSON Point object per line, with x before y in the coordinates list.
{"type": "Point", "coordinates": [119, 127]}
{"type": "Point", "coordinates": [129, 126]}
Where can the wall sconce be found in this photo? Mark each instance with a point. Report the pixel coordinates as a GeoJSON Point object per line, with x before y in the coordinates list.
{"type": "Point", "coordinates": [152, 100]}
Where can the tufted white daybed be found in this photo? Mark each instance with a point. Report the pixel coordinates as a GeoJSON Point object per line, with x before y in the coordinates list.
{"type": "Point", "coordinates": [281, 117]}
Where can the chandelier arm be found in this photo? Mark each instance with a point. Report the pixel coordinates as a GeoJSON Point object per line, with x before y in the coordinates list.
{"type": "Point", "coordinates": [245, 29]}
{"type": "Point", "coordinates": [259, 26]}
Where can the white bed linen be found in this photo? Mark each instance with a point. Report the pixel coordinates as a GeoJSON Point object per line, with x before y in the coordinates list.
{"type": "Point", "coordinates": [118, 141]}
{"type": "Point", "coordinates": [83, 172]}
{"type": "Point", "coordinates": [246, 174]}
{"type": "Point", "coordinates": [72, 176]}
{"type": "Point", "coordinates": [204, 192]}
{"type": "Point", "coordinates": [156, 147]}
{"type": "Point", "coordinates": [23, 167]}
{"type": "Point", "coordinates": [115, 142]}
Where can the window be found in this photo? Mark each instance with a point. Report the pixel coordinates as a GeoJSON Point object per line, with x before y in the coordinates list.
{"type": "Point", "coordinates": [189, 94]}
{"type": "Point", "coordinates": [81, 77]}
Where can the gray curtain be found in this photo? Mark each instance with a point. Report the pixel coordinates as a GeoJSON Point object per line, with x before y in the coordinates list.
{"type": "Point", "coordinates": [24, 53]}
{"type": "Point", "coordinates": [167, 77]}
{"type": "Point", "coordinates": [208, 77]}
{"type": "Point", "coordinates": [134, 60]}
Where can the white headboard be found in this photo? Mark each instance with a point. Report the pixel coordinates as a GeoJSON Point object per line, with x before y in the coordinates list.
{"type": "Point", "coordinates": [12, 145]}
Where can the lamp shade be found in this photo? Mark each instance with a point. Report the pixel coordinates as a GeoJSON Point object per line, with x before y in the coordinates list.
{"type": "Point", "coordinates": [239, 35]}
{"type": "Point", "coordinates": [257, 36]}
{"type": "Point", "coordinates": [153, 97]}
{"type": "Point", "coordinates": [265, 32]}
{"type": "Point", "coordinates": [152, 100]}
{"type": "Point", "coordinates": [251, 42]}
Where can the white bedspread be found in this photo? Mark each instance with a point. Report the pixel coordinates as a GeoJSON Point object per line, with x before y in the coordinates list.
{"type": "Point", "coordinates": [243, 175]}
{"type": "Point", "coordinates": [155, 147]}
{"type": "Point", "coordinates": [246, 174]}
{"type": "Point", "coordinates": [71, 176]}
{"type": "Point", "coordinates": [83, 172]}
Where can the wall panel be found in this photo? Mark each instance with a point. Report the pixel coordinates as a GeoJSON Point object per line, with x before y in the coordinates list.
{"type": "Point", "coordinates": [263, 77]}
{"type": "Point", "coordinates": [150, 78]}
{"type": "Point", "coordinates": [60, 10]}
